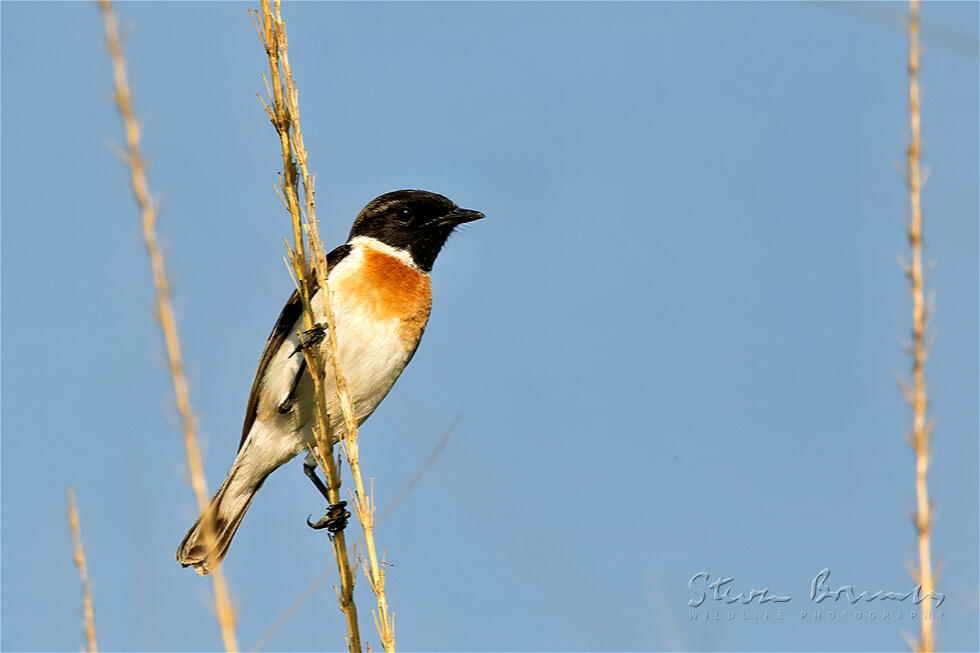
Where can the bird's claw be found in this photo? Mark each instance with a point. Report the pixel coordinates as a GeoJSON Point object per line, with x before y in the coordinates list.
{"type": "Point", "coordinates": [334, 521]}
{"type": "Point", "coordinates": [310, 337]}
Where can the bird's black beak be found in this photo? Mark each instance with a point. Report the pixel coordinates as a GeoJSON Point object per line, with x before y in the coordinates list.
{"type": "Point", "coordinates": [459, 216]}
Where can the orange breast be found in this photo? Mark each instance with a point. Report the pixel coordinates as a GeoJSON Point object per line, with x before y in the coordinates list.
{"type": "Point", "coordinates": [391, 290]}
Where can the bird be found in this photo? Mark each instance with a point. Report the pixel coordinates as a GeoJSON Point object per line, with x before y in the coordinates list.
{"type": "Point", "coordinates": [381, 297]}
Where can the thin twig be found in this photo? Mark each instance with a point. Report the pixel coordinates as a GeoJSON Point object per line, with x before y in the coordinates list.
{"type": "Point", "coordinates": [284, 114]}
{"type": "Point", "coordinates": [921, 425]}
{"type": "Point", "coordinates": [79, 555]}
{"type": "Point", "coordinates": [168, 323]}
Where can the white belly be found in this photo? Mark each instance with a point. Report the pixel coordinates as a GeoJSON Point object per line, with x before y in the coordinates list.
{"type": "Point", "coordinates": [373, 352]}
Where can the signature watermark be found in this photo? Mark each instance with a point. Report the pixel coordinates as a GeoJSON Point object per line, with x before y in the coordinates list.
{"type": "Point", "coordinates": [825, 602]}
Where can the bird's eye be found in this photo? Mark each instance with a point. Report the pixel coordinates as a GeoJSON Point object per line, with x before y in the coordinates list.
{"type": "Point", "coordinates": [404, 215]}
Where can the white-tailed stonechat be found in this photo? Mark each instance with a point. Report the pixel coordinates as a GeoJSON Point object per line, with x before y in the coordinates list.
{"type": "Point", "coordinates": [379, 282]}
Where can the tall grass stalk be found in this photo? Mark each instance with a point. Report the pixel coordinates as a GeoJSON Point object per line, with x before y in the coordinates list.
{"type": "Point", "coordinates": [88, 611]}
{"type": "Point", "coordinates": [917, 394]}
{"type": "Point", "coordinates": [363, 502]}
{"type": "Point", "coordinates": [309, 273]}
{"type": "Point", "coordinates": [134, 158]}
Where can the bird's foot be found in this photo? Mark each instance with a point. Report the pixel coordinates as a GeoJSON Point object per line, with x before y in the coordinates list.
{"type": "Point", "coordinates": [334, 521]}
{"type": "Point", "coordinates": [310, 337]}
{"type": "Point", "coordinates": [337, 514]}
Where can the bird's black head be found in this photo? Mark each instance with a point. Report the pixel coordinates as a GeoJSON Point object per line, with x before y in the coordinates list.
{"type": "Point", "coordinates": [416, 221]}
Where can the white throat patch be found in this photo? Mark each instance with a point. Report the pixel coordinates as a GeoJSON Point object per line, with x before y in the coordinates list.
{"type": "Point", "coordinates": [377, 245]}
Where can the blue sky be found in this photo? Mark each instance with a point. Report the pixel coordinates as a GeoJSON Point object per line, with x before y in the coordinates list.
{"type": "Point", "coordinates": [671, 347]}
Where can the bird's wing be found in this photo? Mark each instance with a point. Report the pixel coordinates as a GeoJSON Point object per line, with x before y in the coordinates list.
{"type": "Point", "coordinates": [284, 327]}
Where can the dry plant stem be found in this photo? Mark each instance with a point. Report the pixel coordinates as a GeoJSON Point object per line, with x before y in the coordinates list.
{"type": "Point", "coordinates": [79, 555]}
{"type": "Point", "coordinates": [284, 115]}
{"type": "Point", "coordinates": [134, 158]}
{"type": "Point", "coordinates": [362, 502]}
{"type": "Point", "coordinates": [921, 426]}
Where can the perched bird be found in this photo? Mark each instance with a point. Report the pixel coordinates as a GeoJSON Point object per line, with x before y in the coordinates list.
{"type": "Point", "coordinates": [379, 282]}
